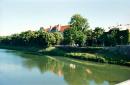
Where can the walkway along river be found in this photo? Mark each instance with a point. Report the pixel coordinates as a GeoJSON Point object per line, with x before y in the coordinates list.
{"type": "Point", "coordinates": [22, 68]}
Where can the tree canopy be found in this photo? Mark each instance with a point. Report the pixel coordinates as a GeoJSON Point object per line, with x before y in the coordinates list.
{"type": "Point", "coordinates": [76, 34]}
{"type": "Point", "coordinates": [79, 23]}
{"type": "Point", "coordinates": [33, 38]}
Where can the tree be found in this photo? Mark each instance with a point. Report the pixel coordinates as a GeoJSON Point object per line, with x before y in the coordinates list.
{"type": "Point", "coordinates": [69, 36]}
{"type": "Point", "coordinates": [26, 37]}
{"type": "Point", "coordinates": [114, 35]}
{"type": "Point", "coordinates": [79, 38]}
{"type": "Point", "coordinates": [41, 29]}
{"type": "Point", "coordinates": [97, 35]}
{"type": "Point", "coordinates": [50, 39]}
{"type": "Point", "coordinates": [89, 37]}
{"type": "Point", "coordinates": [79, 23]}
{"type": "Point", "coordinates": [98, 31]}
{"type": "Point", "coordinates": [59, 37]}
{"type": "Point", "coordinates": [76, 33]}
{"type": "Point", "coordinates": [32, 39]}
{"type": "Point", "coordinates": [0, 39]}
{"type": "Point", "coordinates": [72, 37]}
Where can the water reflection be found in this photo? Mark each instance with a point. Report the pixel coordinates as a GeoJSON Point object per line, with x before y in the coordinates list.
{"type": "Point", "coordinates": [77, 74]}
{"type": "Point", "coordinates": [20, 68]}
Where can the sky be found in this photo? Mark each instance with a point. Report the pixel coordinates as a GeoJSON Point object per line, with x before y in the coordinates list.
{"type": "Point", "coordinates": [22, 15]}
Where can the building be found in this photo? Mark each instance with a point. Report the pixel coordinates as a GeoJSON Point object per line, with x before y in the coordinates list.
{"type": "Point", "coordinates": [121, 26]}
{"type": "Point", "coordinates": [57, 28]}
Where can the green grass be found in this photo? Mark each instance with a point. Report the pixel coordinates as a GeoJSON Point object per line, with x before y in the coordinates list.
{"type": "Point", "coordinates": [87, 56]}
{"type": "Point", "coordinates": [94, 54]}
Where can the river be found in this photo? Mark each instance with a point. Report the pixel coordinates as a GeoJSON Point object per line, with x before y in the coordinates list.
{"type": "Point", "coordinates": [23, 68]}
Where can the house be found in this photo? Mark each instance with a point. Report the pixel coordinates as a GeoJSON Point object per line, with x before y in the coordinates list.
{"type": "Point", "coordinates": [122, 37]}
{"type": "Point", "coordinates": [121, 26]}
{"type": "Point", "coordinates": [57, 28]}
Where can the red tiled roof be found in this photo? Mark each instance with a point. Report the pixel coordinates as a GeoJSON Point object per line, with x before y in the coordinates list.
{"type": "Point", "coordinates": [58, 27]}
{"type": "Point", "coordinates": [63, 28]}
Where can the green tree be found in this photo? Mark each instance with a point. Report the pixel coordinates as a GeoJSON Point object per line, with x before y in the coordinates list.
{"type": "Point", "coordinates": [26, 37]}
{"type": "Point", "coordinates": [72, 37]}
{"type": "Point", "coordinates": [79, 23]}
{"type": "Point", "coordinates": [69, 36]}
{"type": "Point", "coordinates": [98, 31]}
{"type": "Point", "coordinates": [41, 29]}
{"type": "Point", "coordinates": [50, 39]}
{"type": "Point", "coordinates": [59, 37]}
{"type": "Point", "coordinates": [97, 35]}
{"type": "Point", "coordinates": [78, 27]}
{"type": "Point", "coordinates": [79, 38]}
{"type": "Point", "coordinates": [89, 37]}
{"type": "Point", "coordinates": [114, 35]}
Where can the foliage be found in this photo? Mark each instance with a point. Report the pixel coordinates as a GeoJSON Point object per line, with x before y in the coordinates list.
{"type": "Point", "coordinates": [59, 37]}
{"type": "Point", "coordinates": [79, 38]}
{"type": "Point", "coordinates": [89, 37]}
{"type": "Point", "coordinates": [96, 35]}
{"type": "Point", "coordinates": [76, 33]}
{"type": "Point", "coordinates": [128, 36]}
{"type": "Point", "coordinates": [69, 37]}
{"type": "Point", "coordinates": [115, 36]}
{"type": "Point", "coordinates": [98, 31]}
{"type": "Point", "coordinates": [33, 38]}
{"type": "Point", "coordinates": [79, 23]}
{"type": "Point", "coordinates": [72, 37]}
{"type": "Point", "coordinates": [50, 39]}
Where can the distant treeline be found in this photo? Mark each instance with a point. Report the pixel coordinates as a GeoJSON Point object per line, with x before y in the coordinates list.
{"type": "Point", "coordinates": [32, 38]}
{"type": "Point", "coordinates": [78, 34]}
{"type": "Point", "coordinates": [45, 39]}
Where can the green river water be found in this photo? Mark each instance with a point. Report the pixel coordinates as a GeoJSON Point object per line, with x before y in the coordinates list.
{"type": "Point", "coordinates": [22, 68]}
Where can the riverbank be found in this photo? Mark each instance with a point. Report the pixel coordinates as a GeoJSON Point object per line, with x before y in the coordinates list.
{"type": "Point", "coordinates": [95, 54]}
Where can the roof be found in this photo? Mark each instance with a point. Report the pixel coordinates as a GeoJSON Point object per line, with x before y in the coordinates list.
{"type": "Point", "coordinates": [57, 28]}
{"type": "Point", "coordinates": [63, 28]}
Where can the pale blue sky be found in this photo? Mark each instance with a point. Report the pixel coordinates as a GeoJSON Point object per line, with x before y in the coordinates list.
{"type": "Point", "coordinates": [22, 15]}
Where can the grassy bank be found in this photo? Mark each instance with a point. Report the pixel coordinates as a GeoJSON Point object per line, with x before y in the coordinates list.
{"type": "Point", "coordinates": [95, 54]}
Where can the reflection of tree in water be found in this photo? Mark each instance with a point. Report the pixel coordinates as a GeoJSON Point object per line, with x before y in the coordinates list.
{"type": "Point", "coordinates": [76, 74]}
{"type": "Point", "coordinates": [44, 64]}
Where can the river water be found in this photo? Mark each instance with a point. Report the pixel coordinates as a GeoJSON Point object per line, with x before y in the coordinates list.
{"type": "Point", "coordinates": [22, 68]}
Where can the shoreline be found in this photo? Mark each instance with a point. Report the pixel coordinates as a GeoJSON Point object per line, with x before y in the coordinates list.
{"type": "Point", "coordinates": [93, 54]}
